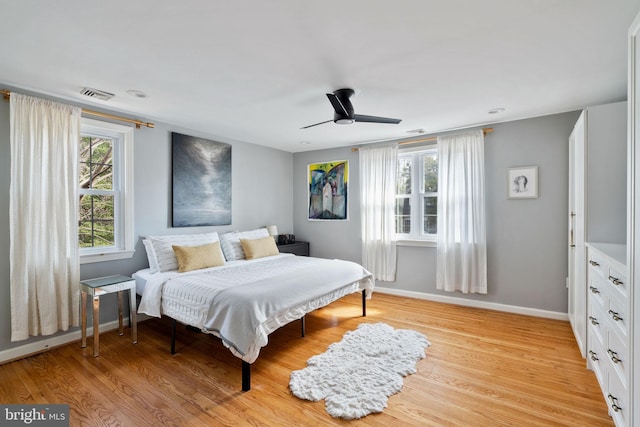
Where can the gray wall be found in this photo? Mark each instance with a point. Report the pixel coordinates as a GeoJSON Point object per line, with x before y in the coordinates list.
{"type": "Point", "coordinates": [526, 239]}
{"type": "Point", "coordinates": [261, 180]}
{"type": "Point", "coordinates": [606, 186]}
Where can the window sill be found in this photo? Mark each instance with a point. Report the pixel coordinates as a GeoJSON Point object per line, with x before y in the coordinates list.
{"type": "Point", "coordinates": [105, 256]}
{"type": "Point", "coordinates": [417, 243]}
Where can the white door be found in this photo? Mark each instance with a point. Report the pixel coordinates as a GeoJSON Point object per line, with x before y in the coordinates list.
{"type": "Point", "coordinates": [577, 281]}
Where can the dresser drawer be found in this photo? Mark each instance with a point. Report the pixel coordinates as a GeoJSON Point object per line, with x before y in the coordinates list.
{"type": "Point", "coordinates": [618, 354]}
{"type": "Point", "coordinates": [618, 401]}
{"type": "Point", "coordinates": [618, 282]}
{"type": "Point", "coordinates": [596, 291]}
{"type": "Point", "coordinates": [597, 264]}
{"type": "Point", "coordinates": [597, 323]}
{"type": "Point", "coordinates": [618, 313]}
{"type": "Point", "coordinates": [597, 359]}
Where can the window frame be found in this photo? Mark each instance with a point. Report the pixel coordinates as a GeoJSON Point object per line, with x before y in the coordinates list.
{"type": "Point", "coordinates": [417, 196]}
{"type": "Point", "coordinates": [122, 191]}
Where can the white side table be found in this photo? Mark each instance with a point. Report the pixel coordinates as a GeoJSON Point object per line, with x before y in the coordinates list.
{"type": "Point", "coordinates": [101, 286]}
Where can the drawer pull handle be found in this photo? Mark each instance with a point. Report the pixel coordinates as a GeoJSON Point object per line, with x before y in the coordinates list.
{"type": "Point", "coordinates": [595, 264]}
{"type": "Point", "coordinates": [614, 403]}
{"type": "Point", "coordinates": [593, 356]}
{"type": "Point", "coordinates": [593, 320]}
{"type": "Point", "coordinates": [615, 281]}
{"type": "Point", "coordinates": [614, 356]}
{"type": "Point", "coordinates": [594, 290]}
{"type": "Point", "coordinates": [615, 316]}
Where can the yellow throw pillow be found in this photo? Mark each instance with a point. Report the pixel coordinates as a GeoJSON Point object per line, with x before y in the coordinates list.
{"type": "Point", "coordinates": [258, 248]}
{"type": "Point", "coordinates": [197, 257]}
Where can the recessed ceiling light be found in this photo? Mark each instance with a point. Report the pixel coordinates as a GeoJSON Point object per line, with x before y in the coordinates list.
{"type": "Point", "coordinates": [137, 93]}
{"type": "Point", "coordinates": [418, 131]}
{"type": "Point", "coordinates": [305, 143]}
{"type": "Point", "coordinates": [497, 110]}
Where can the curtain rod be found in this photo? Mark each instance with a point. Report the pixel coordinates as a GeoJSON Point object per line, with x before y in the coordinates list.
{"type": "Point", "coordinates": [431, 138]}
{"type": "Point", "coordinates": [138, 123]}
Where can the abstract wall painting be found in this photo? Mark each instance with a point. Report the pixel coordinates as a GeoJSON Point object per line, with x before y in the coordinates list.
{"type": "Point", "coordinates": [201, 184]}
{"type": "Point", "coordinates": [328, 184]}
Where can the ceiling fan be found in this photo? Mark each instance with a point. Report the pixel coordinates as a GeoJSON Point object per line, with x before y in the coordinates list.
{"type": "Point", "coordinates": [344, 114]}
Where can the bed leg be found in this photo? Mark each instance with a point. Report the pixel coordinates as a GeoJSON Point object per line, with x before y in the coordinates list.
{"type": "Point", "coordinates": [364, 304]}
{"type": "Point", "coordinates": [173, 336]}
{"type": "Point", "coordinates": [302, 325]}
{"type": "Point", "coordinates": [246, 376]}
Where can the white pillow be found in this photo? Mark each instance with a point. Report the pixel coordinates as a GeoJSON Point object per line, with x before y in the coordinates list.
{"type": "Point", "coordinates": [231, 246]}
{"type": "Point", "coordinates": [151, 256]}
{"type": "Point", "coordinates": [162, 246]}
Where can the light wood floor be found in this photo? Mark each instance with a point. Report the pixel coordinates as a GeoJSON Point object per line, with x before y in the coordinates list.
{"type": "Point", "coordinates": [483, 368]}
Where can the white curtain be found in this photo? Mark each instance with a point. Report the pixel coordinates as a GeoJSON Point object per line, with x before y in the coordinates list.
{"type": "Point", "coordinates": [462, 242]}
{"type": "Point", "coordinates": [378, 197]}
{"type": "Point", "coordinates": [43, 214]}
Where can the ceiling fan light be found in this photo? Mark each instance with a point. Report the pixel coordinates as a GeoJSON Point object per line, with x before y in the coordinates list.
{"type": "Point", "coordinates": [346, 121]}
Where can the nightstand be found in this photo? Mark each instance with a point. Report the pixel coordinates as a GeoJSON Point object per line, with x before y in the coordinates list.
{"type": "Point", "coordinates": [101, 286]}
{"type": "Point", "coordinates": [297, 248]}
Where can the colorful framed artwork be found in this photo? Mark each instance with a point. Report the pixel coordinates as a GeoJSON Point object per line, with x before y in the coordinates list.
{"type": "Point", "coordinates": [328, 184]}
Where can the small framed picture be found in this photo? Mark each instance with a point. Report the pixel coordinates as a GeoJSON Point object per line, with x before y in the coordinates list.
{"type": "Point", "coordinates": [522, 182]}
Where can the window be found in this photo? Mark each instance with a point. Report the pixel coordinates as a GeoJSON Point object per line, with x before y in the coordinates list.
{"type": "Point", "coordinates": [417, 194]}
{"type": "Point", "coordinates": [105, 226]}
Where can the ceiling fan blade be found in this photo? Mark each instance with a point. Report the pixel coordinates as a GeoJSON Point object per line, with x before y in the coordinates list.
{"type": "Point", "coordinates": [316, 124]}
{"type": "Point", "coordinates": [337, 105]}
{"type": "Point", "coordinates": [375, 119]}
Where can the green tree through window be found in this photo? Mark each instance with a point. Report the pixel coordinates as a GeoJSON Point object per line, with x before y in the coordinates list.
{"type": "Point", "coordinates": [430, 193]}
{"type": "Point", "coordinates": [97, 195]}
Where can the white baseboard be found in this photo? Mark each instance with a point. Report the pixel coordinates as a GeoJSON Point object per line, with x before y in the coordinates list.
{"type": "Point", "coordinates": [29, 349]}
{"type": "Point", "coordinates": [475, 303]}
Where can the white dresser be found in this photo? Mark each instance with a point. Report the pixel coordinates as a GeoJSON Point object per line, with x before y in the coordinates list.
{"type": "Point", "coordinates": [608, 342]}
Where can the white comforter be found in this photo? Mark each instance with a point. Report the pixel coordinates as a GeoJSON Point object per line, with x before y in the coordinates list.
{"type": "Point", "coordinates": [243, 302]}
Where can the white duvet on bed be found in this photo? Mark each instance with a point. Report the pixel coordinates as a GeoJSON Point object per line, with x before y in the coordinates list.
{"type": "Point", "coordinates": [244, 301]}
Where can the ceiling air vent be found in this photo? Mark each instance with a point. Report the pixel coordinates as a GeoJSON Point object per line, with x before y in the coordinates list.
{"type": "Point", "coordinates": [95, 93]}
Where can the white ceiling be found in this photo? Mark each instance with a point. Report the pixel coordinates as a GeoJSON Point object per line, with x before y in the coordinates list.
{"type": "Point", "coordinates": [257, 71]}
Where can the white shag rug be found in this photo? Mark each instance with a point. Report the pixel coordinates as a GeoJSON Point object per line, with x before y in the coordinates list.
{"type": "Point", "coordinates": [356, 376]}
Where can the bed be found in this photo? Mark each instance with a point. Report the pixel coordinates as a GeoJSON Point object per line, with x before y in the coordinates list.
{"type": "Point", "coordinates": [241, 301]}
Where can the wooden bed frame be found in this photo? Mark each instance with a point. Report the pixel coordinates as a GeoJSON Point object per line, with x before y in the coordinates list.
{"type": "Point", "coordinates": [246, 366]}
